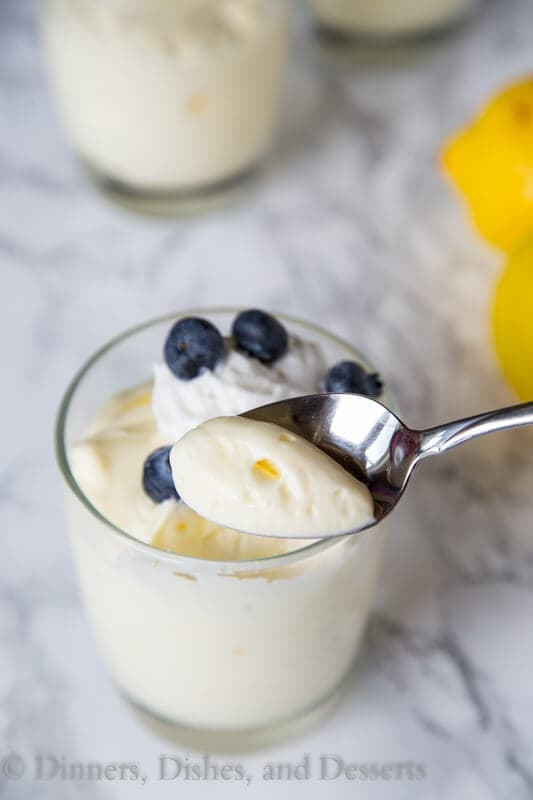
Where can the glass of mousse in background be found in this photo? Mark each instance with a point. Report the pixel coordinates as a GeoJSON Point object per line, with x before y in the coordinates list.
{"type": "Point", "coordinates": [227, 640]}
{"type": "Point", "coordinates": [358, 20]}
{"type": "Point", "coordinates": [168, 103]}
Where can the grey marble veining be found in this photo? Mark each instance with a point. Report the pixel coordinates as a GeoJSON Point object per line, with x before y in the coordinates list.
{"type": "Point", "coordinates": [354, 226]}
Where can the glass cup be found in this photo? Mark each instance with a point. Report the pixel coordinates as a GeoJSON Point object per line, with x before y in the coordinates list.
{"type": "Point", "coordinates": [223, 655]}
{"type": "Point", "coordinates": [170, 104]}
{"type": "Point", "coordinates": [354, 21]}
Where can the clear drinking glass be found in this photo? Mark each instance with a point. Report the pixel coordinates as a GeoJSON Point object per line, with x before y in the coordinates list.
{"type": "Point", "coordinates": [170, 104]}
{"type": "Point", "coordinates": [228, 655]}
{"type": "Point", "coordinates": [355, 20]}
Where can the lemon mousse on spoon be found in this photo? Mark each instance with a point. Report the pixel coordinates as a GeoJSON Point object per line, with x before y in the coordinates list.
{"type": "Point", "coordinates": [260, 478]}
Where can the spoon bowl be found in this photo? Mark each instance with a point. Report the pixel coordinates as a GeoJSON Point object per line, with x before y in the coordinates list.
{"type": "Point", "coordinates": [361, 434]}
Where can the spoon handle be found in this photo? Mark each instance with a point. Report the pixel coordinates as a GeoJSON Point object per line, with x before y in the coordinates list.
{"type": "Point", "coordinates": [438, 440]}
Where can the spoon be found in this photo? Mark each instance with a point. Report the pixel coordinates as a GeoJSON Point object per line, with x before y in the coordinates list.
{"type": "Point", "coordinates": [371, 443]}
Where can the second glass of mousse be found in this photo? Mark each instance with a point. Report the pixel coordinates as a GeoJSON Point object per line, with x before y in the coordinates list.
{"type": "Point", "coordinates": [168, 103]}
{"type": "Point", "coordinates": [387, 20]}
{"type": "Point", "coordinates": [230, 639]}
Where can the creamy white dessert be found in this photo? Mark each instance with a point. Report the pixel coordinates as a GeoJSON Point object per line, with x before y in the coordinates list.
{"type": "Point", "coordinates": [210, 628]}
{"type": "Point", "coordinates": [260, 478]}
{"type": "Point", "coordinates": [389, 17]}
{"type": "Point", "coordinates": [238, 384]}
{"type": "Point", "coordinates": [167, 95]}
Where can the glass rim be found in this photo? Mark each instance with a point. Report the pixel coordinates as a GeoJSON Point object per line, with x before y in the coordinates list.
{"type": "Point", "coordinates": [200, 564]}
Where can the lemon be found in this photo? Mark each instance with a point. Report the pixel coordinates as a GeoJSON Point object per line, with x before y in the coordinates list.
{"type": "Point", "coordinates": [513, 320]}
{"type": "Point", "coordinates": [491, 162]}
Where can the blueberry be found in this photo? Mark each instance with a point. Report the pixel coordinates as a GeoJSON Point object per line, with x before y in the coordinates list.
{"type": "Point", "coordinates": [192, 346]}
{"type": "Point", "coordinates": [260, 335]}
{"type": "Point", "coordinates": [350, 377]}
{"type": "Point", "coordinates": [157, 476]}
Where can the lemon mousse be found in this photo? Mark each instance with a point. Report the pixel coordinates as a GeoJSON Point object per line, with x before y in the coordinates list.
{"type": "Point", "coordinates": [163, 96]}
{"type": "Point", "coordinates": [260, 478]}
{"type": "Point", "coordinates": [389, 18]}
{"type": "Point", "coordinates": [201, 625]}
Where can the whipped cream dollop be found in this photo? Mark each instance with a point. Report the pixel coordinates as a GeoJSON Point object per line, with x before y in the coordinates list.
{"type": "Point", "coordinates": [260, 478]}
{"type": "Point", "coordinates": [238, 384]}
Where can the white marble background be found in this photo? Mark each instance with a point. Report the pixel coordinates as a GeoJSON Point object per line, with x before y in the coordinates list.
{"type": "Point", "coordinates": [355, 227]}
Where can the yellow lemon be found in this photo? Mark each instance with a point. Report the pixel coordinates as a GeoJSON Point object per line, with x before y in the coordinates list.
{"type": "Point", "coordinates": [491, 162]}
{"type": "Point", "coordinates": [513, 320]}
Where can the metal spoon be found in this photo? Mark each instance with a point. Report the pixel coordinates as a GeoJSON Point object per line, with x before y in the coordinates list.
{"type": "Point", "coordinates": [370, 442]}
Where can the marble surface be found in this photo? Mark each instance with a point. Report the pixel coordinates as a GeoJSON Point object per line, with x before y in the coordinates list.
{"type": "Point", "coordinates": [353, 226]}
